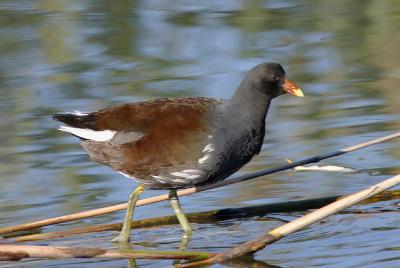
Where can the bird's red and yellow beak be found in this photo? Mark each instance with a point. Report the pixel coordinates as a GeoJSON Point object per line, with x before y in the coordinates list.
{"type": "Point", "coordinates": [291, 88]}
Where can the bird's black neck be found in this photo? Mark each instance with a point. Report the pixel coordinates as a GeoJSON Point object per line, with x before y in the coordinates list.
{"type": "Point", "coordinates": [250, 104]}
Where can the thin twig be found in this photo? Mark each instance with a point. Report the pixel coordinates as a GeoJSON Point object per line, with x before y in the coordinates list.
{"type": "Point", "coordinates": [207, 216]}
{"type": "Point", "coordinates": [299, 223]}
{"type": "Point", "coordinates": [17, 252]}
{"type": "Point", "coordinates": [106, 210]}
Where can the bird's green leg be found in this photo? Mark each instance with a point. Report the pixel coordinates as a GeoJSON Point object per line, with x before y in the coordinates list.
{"type": "Point", "coordinates": [123, 237]}
{"type": "Point", "coordinates": [173, 198]}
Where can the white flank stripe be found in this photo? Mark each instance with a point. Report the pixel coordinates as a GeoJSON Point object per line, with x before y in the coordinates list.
{"type": "Point", "coordinates": [122, 173]}
{"type": "Point", "coordinates": [194, 176]}
{"type": "Point", "coordinates": [180, 174]}
{"type": "Point", "coordinates": [159, 178]}
{"type": "Point", "coordinates": [209, 148]}
{"type": "Point", "coordinates": [89, 134]}
{"type": "Point", "coordinates": [127, 175]}
{"type": "Point", "coordinates": [193, 171]}
{"type": "Point", "coordinates": [186, 175]}
{"type": "Point", "coordinates": [203, 159]}
{"type": "Point", "coordinates": [179, 180]}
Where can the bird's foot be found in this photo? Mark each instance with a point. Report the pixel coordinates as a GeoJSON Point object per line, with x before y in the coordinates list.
{"type": "Point", "coordinates": [120, 239]}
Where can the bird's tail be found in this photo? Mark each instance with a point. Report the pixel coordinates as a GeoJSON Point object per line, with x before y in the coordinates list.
{"type": "Point", "coordinates": [77, 119]}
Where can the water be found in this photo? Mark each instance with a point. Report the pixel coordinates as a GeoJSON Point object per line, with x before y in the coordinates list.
{"type": "Point", "coordinates": [86, 55]}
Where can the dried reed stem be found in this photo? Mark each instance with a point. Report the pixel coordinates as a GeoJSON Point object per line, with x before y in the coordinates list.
{"type": "Point", "coordinates": [299, 223]}
{"type": "Point", "coordinates": [18, 252]}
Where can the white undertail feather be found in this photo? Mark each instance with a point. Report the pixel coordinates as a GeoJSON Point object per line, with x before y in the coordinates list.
{"type": "Point", "coordinates": [77, 113]}
{"type": "Point", "coordinates": [103, 135]}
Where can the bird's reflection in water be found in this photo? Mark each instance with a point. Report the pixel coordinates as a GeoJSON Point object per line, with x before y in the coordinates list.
{"type": "Point", "coordinates": [248, 262]}
{"type": "Point", "coordinates": [243, 262]}
{"type": "Point", "coordinates": [184, 241]}
{"type": "Point", "coordinates": [127, 246]}
{"type": "Point", "coordinates": [132, 262]}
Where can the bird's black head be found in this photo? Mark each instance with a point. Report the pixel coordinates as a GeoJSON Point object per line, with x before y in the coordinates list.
{"type": "Point", "coordinates": [271, 79]}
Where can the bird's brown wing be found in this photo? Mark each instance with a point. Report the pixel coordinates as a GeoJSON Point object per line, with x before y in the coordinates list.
{"type": "Point", "coordinates": [152, 138]}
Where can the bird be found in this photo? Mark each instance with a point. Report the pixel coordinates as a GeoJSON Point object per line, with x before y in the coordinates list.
{"type": "Point", "coordinates": [177, 143]}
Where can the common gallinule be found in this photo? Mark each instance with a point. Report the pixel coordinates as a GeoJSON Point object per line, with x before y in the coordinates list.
{"type": "Point", "coordinates": [170, 144]}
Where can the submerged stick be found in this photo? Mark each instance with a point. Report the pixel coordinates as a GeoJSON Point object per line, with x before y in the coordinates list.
{"type": "Point", "coordinates": [211, 215]}
{"type": "Point", "coordinates": [18, 252]}
{"type": "Point", "coordinates": [106, 210]}
{"type": "Point", "coordinates": [198, 217]}
{"type": "Point", "coordinates": [299, 223]}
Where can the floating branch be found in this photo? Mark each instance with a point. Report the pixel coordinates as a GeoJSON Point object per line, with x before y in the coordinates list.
{"type": "Point", "coordinates": [208, 216]}
{"type": "Point", "coordinates": [299, 223]}
{"type": "Point", "coordinates": [18, 252]}
{"type": "Point", "coordinates": [106, 210]}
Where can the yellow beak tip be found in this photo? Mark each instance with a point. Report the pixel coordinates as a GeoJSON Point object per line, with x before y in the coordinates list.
{"type": "Point", "coordinates": [291, 88]}
{"type": "Point", "coordinates": [297, 92]}
{"type": "Point", "coordinates": [300, 93]}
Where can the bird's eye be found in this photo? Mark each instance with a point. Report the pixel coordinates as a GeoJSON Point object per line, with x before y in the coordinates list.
{"type": "Point", "coordinates": [274, 78]}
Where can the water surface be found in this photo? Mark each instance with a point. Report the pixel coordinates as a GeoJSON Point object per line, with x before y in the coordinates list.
{"type": "Point", "coordinates": [86, 55]}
